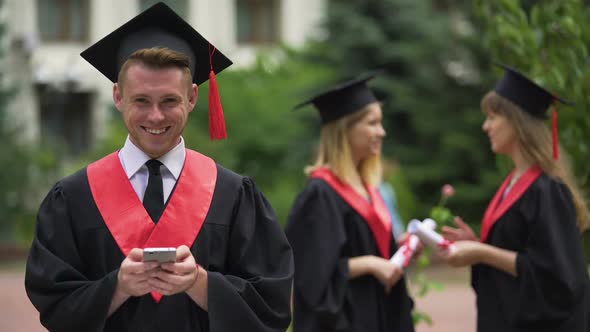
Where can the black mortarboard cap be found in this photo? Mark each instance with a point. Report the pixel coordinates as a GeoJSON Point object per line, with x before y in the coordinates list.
{"type": "Point", "coordinates": [525, 93]}
{"type": "Point", "coordinates": [531, 98]}
{"type": "Point", "coordinates": [157, 26]}
{"type": "Point", "coordinates": [343, 98]}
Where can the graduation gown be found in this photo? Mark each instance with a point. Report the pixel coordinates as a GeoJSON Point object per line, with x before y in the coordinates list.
{"type": "Point", "coordinates": [325, 231]}
{"type": "Point", "coordinates": [72, 267]}
{"type": "Point", "coordinates": [537, 220]}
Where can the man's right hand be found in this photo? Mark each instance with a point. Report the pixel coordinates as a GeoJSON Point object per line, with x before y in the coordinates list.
{"type": "Point", "coordinates": [134, 274]}
{"type": "Point", "coordinates": [132, 279]}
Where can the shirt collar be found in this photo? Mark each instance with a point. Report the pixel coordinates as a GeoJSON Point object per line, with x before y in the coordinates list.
{"type": "Point", "coordinates": [133, 158]}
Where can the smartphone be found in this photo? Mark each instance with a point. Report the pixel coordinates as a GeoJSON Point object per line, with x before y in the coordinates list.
{"type": "Point", "coordinates": [160, 255]}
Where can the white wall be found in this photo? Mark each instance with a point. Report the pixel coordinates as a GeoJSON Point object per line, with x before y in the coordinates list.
{"type": "Point", "coordinates": [22, 107]}
{"type": "Point", "coordinates": [301, 19]}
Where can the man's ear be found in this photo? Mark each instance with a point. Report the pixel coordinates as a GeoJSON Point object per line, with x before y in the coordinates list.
{"type": "Point", "coordinates": [118, 97]}
{"type": "Point", "coordinates": [193, 96]}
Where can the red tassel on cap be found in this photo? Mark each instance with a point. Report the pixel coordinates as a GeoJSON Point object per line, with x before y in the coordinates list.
{"type": "Point", "coordinates": [217, 128]}
{"type": "Point", "coordinates": [555, 136]}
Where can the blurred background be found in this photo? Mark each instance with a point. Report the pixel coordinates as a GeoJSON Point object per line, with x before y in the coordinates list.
{"type": "Point", "coordinates": [57, 115]}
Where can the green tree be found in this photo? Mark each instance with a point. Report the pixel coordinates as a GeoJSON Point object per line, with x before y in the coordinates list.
{"type": "Point", "coordinates": [267, 139]}
{"type": "Point", "coordinates": [27, 167]}
{"type": "Point", "coordinates": [550, 41]}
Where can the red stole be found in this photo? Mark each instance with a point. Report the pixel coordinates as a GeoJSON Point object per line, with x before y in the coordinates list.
{"type": "Point", "coordinates": [375, 213]}
{"type": "Point", "coordinates": [499, 206]}
{"type": "Point", "coordinates": [129, 222]}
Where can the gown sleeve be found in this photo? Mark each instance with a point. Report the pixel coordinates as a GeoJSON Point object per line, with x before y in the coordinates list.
{"type": "Point", "coordinates": [253, 294]}
{"type": "Point", "coordinates": [317, 233]}
{"type": "Point", "coordinates": [54, 280]}
{"type": "Point", "coordinates": [551, 269]}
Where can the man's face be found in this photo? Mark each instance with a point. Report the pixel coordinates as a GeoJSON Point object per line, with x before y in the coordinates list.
{"type": "Point", "coordinates": [155, 104]}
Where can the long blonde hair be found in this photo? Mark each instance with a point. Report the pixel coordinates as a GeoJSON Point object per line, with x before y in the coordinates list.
{"type": "Point", "coordinates": [535, 143]}
{"type": "Point", "coordinates": [334, 152]}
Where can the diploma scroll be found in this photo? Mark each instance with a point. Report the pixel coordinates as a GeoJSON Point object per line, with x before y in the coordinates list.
{"type": "Point", "coordinates": [430, 237]}
{"type": "Point", "coordinates": [403, 255]}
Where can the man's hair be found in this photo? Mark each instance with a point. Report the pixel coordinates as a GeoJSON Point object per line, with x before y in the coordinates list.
{"type": "Point", "coordinates": [157, 58]}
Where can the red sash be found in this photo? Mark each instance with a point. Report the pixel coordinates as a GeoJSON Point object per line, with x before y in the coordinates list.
{"type": "Point", "coordinates": [129, 222]}
{"type": "Point", "coordinates": [499, 206]}
{"type": "Point", "coordinates": [376, 214]}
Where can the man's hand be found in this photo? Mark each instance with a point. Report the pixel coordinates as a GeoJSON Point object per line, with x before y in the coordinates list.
{"type": "Point", "coordinates": [134, 274]}
{"type": "Point", "coordinates": [464, 232]}
{"type": "Point", "coordinates": [177, 277]}
{"type": "Point", "coordinates": [132, 279]}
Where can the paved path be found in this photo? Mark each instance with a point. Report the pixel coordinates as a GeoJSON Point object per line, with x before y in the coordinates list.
{"type": "Point", "coordinates": [17, 314]}
{"type": "Point", "coordinates": [451, 309]}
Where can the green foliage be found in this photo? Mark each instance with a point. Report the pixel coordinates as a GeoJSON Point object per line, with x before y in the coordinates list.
{"type": "Point", "coordinates": [442, 215]}
{"type": "Point", "coordinates": [419, 316]}
{"type": "Point", "coordinates": [550, 41]}
{"type": "Point", "coordinates": [28, 167]}
{"type": "Point", "coordinates": [422, 285]}
{"type": "Point", "coordinates": [267, 140]}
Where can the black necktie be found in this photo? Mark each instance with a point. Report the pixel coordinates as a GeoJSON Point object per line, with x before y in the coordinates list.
{"type": "Point", "coordinates": [153, 200]}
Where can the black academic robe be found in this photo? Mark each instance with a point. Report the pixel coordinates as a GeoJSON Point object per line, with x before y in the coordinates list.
{"type": "Point", "coordinates": [73, 263]}
{"type": "Point", "coordinates": [551, 291]}
{"type": "Point", "coordinates": [325, 231]}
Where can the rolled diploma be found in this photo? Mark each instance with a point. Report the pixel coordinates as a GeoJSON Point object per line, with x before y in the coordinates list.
{"type": "Point", "coordinates": [404, 254]}
{"type": "Point", "coordinates": [431, 238]}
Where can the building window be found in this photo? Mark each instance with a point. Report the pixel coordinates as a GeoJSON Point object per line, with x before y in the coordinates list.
{"type": "Point", "coordinates": [65, 119]}
{"type": "Point", "coordinates": [258, 21]}
{"type": "Point", "coordinates": [63, 20]}
{"type": "Point", "coordinates": [179, 6]}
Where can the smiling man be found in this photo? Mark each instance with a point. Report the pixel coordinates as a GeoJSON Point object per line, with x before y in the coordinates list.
{"type": "Point", "coordinates": [233, 267]}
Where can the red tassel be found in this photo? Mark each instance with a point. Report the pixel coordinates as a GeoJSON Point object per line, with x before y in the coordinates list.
{"type": "Point", "coordinates": [555, 136]}
{"type": "Point", "coordinates": [217, 128]}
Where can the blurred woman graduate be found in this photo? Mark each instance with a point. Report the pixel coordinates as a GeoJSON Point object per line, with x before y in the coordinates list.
{"type": "Point", "coordinates": [340, 228]}
{"type": "Point", "coordinates": [528, 267]}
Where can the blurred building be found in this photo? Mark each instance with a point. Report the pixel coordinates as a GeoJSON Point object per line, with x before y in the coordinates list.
{"type": "Point", "coordinates": [62, 98]}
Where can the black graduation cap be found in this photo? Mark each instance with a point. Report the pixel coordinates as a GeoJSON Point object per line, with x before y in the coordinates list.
{"type": "Point", "coordinates": [160, 26]}
{"type": "Point", "coordinates": [343, 98]}
{"type": "Point", "coordinates": [531, 97]}
{"type": "Point", "coordinates": [525, 93]}
{"type": "Point", "coordinates": [157, 26]}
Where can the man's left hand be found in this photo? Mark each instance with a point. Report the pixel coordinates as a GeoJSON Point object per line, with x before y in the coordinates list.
{"type": "Point", "coordinates": [177, 277]}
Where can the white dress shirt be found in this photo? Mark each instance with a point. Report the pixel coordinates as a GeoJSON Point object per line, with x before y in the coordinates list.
{"type": "Point", "coordinates": [133, 161]}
